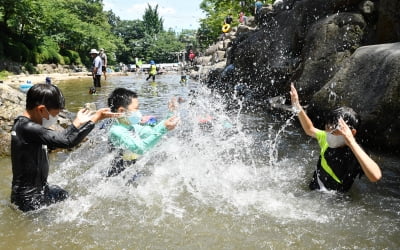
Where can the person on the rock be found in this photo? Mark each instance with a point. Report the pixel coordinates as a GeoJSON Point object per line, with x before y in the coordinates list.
{"type": "Point", "coordinates": [341, 157]}
{"type": "Point", "coordinates": [228, 19]}
{"type": "Point", "coordinates": [31, 138]}
{"type": "Point", "coordinates": [257, 7]}
{"type": "Point", "coordinates": [192, 55]}
{"type": "Point", "coordinates": [242, 18]}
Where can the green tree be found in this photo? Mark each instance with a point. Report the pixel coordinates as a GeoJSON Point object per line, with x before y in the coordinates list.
{"type": "Point", "coordinates": [164, 48]}
{"type": "Point", "coordinates": [63, 31]}
{"type": "Point", "coordinates": [43, 31]}
{"type": "Point", "coordinates": [153, 24]}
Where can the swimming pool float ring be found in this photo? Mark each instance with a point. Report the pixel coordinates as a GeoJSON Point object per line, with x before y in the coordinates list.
{"type": "Point", "coordinates": [226, 28]}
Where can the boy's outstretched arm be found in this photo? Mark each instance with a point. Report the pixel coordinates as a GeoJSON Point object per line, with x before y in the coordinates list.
{"type": "Point", "coordinates": [369, 166]}
{"type": "Point", "coordinates": [305, 121]}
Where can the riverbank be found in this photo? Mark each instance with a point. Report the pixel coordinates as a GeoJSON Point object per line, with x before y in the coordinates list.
{"type": "Point", "coordinates": [15, 80]}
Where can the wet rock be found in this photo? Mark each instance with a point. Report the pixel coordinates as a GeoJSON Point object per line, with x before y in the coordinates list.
{"type": "Point", "coordinates": [328, 45]}
{"type": "Point", "coordinates": [313, 43]}
{"type": "Point", "coordinates": [370, 84]}
{"type": "Point", "coordinates": [12, 104]}
{"type": "Point", "coordinates": [388, 26]}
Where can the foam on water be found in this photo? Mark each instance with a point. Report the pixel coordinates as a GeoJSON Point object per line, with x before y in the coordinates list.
{"type": "Point", "coordinates": [240, 183]}
{"type": "Point", "coordinates": [211, 166]}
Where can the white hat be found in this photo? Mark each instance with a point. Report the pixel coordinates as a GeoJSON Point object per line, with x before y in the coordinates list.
{"type": "Point", "coordinates": [94, 51]}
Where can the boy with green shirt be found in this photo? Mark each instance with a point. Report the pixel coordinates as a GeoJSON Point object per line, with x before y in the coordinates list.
{"type": "Point", "coordinates": [128, 135]}
{"type": "Point", "coordinates": [341, 157]}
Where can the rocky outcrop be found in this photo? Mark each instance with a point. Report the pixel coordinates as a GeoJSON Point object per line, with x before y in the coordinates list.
{"type": "Point", "coordinates": [19, 69]}
{"type": "Point", "coordinates": [329, 43]}
{"type": "Point", "coordinates": [12, 104]}
{"type": "Point", "coordinates": [370, 84]}
{"type": "Point", "coordinates": [322, 46]}
{"type": "Point", "coordinates": [216, 56]}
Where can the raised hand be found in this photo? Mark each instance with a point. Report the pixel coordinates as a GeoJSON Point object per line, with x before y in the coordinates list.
{"type": "Point", "coordinates": [171, 122]}
{"type": "Point", "coordinates": [173, 104]}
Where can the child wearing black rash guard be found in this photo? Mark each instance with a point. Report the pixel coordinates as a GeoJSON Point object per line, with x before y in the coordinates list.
{"type": "Point", "coordinates": [341, 158]}
{"type": "Point", "coordinates": [30, 138]}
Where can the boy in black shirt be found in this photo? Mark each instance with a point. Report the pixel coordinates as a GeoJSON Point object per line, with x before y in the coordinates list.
{"type": "Point", "coordinates": [341, 158]}
{"type": "Point", "coordinates": [30, 139]}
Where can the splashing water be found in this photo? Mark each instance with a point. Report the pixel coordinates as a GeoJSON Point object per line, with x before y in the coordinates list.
{"type": "Point", "coordinates": [221, 179]}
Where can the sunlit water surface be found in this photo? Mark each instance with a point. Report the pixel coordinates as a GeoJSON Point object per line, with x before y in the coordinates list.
{"type": "Point", "coordinates": [241, 184]}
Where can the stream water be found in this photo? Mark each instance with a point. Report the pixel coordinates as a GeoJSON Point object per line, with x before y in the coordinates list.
{"type": "Point", "coordinates": [240, 184]}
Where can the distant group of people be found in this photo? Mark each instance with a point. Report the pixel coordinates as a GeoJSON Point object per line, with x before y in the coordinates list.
{"type": "Point", "coordinates": [242, 17]}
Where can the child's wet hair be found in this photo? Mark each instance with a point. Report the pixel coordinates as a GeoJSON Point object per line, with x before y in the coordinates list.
{"type": "Point", "coordinates": [120, 97]}
{"type": "Point", "coordinates": [48, 95]}
{"type": "Point", "coordinates": [351, 118]}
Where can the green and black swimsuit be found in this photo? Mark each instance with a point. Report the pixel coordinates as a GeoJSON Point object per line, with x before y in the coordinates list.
{"type": "Point", "coordinates": [337, 167]}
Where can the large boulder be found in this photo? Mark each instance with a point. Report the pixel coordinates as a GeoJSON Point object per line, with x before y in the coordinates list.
{"type": "Point", "coordinates": [267, 59]}
{"type": "Point", "coordinates": [315, 43]}
{"type": "Point", "coordinates": [370, 84]}
{"type": "Point", "coordinates": [328, 45]}
{"type": "Point", "coordinates": [388, 27]}
{"type": "Point", "coordinates": [12, 103]}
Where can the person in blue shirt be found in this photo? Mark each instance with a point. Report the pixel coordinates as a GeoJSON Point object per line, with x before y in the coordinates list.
{"type": "Point", "coordinates": [257, 7]}
{"type": "Point", "coordinates": [341, 158]}
{"type": "Point", "coordinates": [127, 135]}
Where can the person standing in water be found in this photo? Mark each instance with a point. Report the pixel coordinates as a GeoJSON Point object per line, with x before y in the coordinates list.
{"type": "Point", "coordinates": [31, 138]}
{"type": "Point", "coordinates": [341, 157]}
{"type": "Point", "coordinates": [103, 57]}
{"type": "Point", "coordinates": [96, 68]}
{"type": "Point", "coordinates": [152, 71]}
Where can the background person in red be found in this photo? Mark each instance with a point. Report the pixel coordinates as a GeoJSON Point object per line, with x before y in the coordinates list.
{"type": "Point", "coordinates": [192, 55]}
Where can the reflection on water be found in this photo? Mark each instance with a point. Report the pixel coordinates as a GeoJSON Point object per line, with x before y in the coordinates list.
{"type": "Point", "coordinates": [220, 180]}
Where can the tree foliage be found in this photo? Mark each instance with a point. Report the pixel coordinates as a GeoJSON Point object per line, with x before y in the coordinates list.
{"type": "Point", "coordinates": [64, 31]}
{"type": "Point", "coordinates": [145, 39]}
{"type": "Point", "coordinates": [152, 22]}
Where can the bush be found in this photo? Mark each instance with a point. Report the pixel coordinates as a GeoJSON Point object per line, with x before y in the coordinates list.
{"type": "Point", "coordinates": [67, 60]}
{"type": "Point", "coordinates": [30, 68]}
{"type": "Point", "coordinates": [4, 74]}
{"type": "Point", "coordinates": [18, 52]}
{"type": "Point", "coordinates": [1, 47]}
{"type": "Point", "coordinates": [73, 56]}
